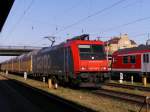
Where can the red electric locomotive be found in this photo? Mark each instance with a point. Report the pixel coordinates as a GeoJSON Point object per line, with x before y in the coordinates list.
{"type": "Point", "coordinates": [79, 61]}
{"type": "Point", "coordinates": [132, 61]}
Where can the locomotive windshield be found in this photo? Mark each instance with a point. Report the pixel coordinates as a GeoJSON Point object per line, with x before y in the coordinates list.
{"type": "Point", "coordinates": [91, 52]}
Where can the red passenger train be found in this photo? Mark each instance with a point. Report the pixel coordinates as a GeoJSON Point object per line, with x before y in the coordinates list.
{"type": "Point", "coordinates": [132, 61]}
{"type": "Point", "coordinates": [78, 61]}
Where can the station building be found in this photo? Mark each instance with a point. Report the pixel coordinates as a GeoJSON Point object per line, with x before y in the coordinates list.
{"type": "Point", "coordinates": [119, 42]}
{"type": "Point", "coordinates": [116, 43]}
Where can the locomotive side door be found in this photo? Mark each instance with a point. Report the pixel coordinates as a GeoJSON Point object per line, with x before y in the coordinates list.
{"type": "Point", "coordinates": [146, 62]}
{"type": "Point", "coordinates": [68, 65]}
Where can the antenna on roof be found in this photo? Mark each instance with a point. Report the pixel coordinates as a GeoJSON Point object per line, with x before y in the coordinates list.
{"type": "Point", "coordinates": [98, 38]}
{"type": "Point", "coordinates": [82, 31]}
{"type": "Point", "coordinates": [148, 41]}
{"type": "Point", "coordinates": [120, 35]}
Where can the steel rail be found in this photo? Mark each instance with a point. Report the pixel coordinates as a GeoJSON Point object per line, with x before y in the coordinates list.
{"type": "Point", "coordinates": [140, 99]}
{"type": "Point", "coordinates": [142, 88]}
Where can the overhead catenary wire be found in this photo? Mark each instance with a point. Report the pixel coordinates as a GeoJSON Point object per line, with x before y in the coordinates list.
{"type": "Point", "coordinates": [63, 13]}
{"type": "Point", "coordinates": [132, 3]}
{"type": "Point", "coordinates": [89, 16]}
{"type": "Point", "coordinates": [128, 23]}
{"type": "Point", "coordinates": [132, 35]}
{"type": "Point", "coordinates": [98, 12]}
{"type": "Point", "coordinates": [139, 34]}
{"type": "Point", "coordinates": [71, 7]}
{"type": "Point", "coordinates": [123, 25]}
{"type": "Point", "coordinates": [21, 18]}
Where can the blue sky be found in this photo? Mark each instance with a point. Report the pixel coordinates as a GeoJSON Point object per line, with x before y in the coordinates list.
{"type": "Point", "coordinates": [31, 20]}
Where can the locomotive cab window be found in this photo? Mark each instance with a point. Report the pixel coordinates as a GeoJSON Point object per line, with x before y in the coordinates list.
{"type": "Point", "coordinates": [91, 52]}
{"type": "Point", "coordinates": [125, 59]}
{"type": "Point", "coordinates": [132, 59]}
{"type": "Point", "coordinates": [146, 58]}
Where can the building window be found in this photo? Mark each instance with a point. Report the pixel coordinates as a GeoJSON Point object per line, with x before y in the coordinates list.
{"type": "Point", "coordinates": [146, 58]}
{"type": "Point", "coordinates": [125, 59]}
{"type": "Point", "coordinates": [132, 59]}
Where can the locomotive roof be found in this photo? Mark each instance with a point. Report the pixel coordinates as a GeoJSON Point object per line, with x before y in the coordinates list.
{"type": "Point", "coordinates": [134, 49]}
{"type": "Point", "coordinates": [68, 42]}
{"type": "Point", "coordinates": [26, 55]}
{"type": "Point", "coordinates": [46, 49]}
{"type": "Point", "coordinates": [33, 52]}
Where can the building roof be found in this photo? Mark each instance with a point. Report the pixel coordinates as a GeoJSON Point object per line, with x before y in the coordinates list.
{"type": "Point", "coordinates": [115, 40]}
{"type": "Point", "coordinates": [112, 41]}
{"type": "Point", "coordinates": [133, 42]}
{"type": "Point", "coordinates": [5, 6]}
{"type": "Point", "coordinates": [134, 49]}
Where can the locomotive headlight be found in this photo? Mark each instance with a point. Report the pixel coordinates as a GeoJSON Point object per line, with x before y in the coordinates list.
{"type": "Point", "coordinates": [83, 68]}
{"type": "Point", "coordinates": [104, 68]}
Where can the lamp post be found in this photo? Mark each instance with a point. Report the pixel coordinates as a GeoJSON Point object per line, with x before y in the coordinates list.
{"type": "Point", "coordinates": [107, 50]}
{"type": "Point", "coordinates": [51, 38]}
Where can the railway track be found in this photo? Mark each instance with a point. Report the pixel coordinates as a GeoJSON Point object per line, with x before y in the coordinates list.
{"type": "Point", "coordinates": [127, 97]}
{"type": "Point", "coordinates": [46, 101]}
{"type": "Point", "coordinates": [132, 87]}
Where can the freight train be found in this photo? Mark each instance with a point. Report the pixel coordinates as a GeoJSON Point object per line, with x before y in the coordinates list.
{"type": "Point", "coordinates": [131, 61]}
{"type": "Point", "coordinates": [78, 61]}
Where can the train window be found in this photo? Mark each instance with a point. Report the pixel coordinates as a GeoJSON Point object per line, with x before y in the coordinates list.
{"type": "Point", "coordinates": [146, 58]}
{"type": "Point", "coordinates": [125, 59]}
{"type": "Point", "coordinates": [91, 52]}
{"type": "Point", "coordinates": [97, 49]}
{"type": "Point", "coordinates": [132, 59]}
{"type": "Point", "coordinates": [84, 48]}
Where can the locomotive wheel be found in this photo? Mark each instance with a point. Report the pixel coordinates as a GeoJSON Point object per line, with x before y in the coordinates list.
{"type": "Point", "coordinates": [74, 83]}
